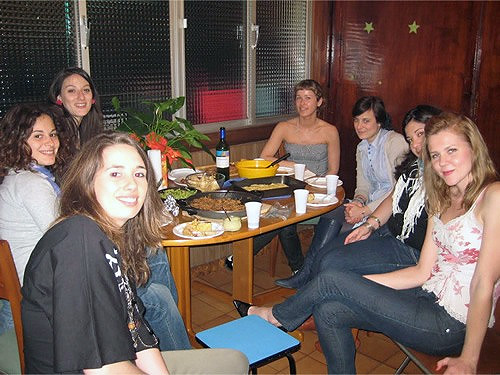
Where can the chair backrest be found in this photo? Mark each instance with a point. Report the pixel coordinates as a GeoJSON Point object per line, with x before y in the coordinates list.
{"type": "Point", "coordinates": [10, 289]}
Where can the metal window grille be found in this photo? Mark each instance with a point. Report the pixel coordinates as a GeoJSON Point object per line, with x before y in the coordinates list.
{"type": "Point", "coordinates": [281, 55]}
{"type": "Point", "coordinates": [37, 39]}
{"type": "Point", "coordinates": [129, 52]}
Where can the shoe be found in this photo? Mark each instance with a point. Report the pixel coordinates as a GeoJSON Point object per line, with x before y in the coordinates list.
{"type": "Point", "coordinates": [308, 325]}
{"type": "Point", "coordinates": [297, 280]}
{"type": "Point", "coordinates": [228, 263]}
{"type": "Point", "coordinates": [241, 307]}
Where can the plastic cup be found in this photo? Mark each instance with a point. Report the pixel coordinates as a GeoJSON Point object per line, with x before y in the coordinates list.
{"type": "Point", "coordinates": [299, 170]}
{"type": "Point", "coordinates": [300, 200]}
{"type": "Point", "coordinates": [155, 158]}
{"type": "Point", "coordinates": [331, 184]}
{"type": "Point", "coordinates": [253, 214]}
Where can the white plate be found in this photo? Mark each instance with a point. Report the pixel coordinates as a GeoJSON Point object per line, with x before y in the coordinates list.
{"type": "Point", "coordinates": [284, 171]}
{"type": "Point", "coordinates": [216, 227]}
{"type": "Point", "coordinates": [322, 200]}
{"type": "Point", "coordinates": [308, 174]}
{"type": "Point", "coordinates": [176, 175]}
{"type": "Point", "coordinates": [320, 182]}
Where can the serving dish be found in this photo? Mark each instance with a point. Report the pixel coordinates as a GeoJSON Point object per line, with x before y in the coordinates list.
{"type": "Point", "coordinates": [290, 182]}
{"type": "Point", "coordinates": [204, 181]}
{"type": "Point", "coordinates": [256, 168]}
{"type": "Point", "coordinates": [242, 196]}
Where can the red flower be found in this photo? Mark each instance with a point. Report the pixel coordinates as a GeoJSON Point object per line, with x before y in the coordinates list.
{"type": "Point", "coordinates": [171, 154]}
{"type": "Point", "coordinates": [135, 137]}
{"type": "Point", "coordinates": [156, 142]}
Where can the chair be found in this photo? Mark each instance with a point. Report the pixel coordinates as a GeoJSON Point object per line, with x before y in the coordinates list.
{"type": "Point", "coordinates": [259, 340]}
{"type": "Point", "coordinates": [10, 289]}
{"type": "Point", "coordinates": [488, 363]}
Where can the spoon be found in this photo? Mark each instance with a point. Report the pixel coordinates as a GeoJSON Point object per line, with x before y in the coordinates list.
{"type": "Point", "coordinates": [281, 158]}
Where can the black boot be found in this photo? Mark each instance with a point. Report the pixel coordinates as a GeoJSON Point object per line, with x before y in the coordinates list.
{"type": "Point", "coordinates": [325, 232]}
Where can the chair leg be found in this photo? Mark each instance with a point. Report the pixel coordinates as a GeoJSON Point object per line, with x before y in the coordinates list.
{"type": "Point", "coordinates": [402, 366]}
{"type": "Point", "coordinates": [275, 247]}
{"type": "Point", "coordinates": [291, 362]}
{"type": "Point", "coordinates": [411, 357]}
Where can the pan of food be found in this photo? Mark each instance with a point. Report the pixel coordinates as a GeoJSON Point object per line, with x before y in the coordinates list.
{"type": "Point", "coordinates": [218, 204]}
{"type": "Point", "coordinates": [270, 187]}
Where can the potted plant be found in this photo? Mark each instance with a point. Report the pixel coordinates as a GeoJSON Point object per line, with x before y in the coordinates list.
{"type": "Point", "coordinates": [154, 131]}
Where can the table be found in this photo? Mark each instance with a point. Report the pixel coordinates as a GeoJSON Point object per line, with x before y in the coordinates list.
{"type": "Point", "coordinates": [242, 241]}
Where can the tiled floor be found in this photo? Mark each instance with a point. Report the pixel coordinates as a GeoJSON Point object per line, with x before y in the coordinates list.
{"type": "Point", "coordinates": [376, 354]}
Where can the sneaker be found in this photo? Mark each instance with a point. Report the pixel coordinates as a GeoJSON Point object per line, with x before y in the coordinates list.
{"type": "Point", "coordinates": [228, 262]}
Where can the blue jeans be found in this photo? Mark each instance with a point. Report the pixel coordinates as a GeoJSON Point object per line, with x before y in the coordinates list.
{"type": "Point", "coordinates": [342, 300]}
{"type": "Point", "coordinates": [159, 297]}
{"type": "Point", "coordinates": [290, 241]}
{"type": "Point", "coordinates": [6, 320]}
{"type": "Point", "coordinates": [381, 252]}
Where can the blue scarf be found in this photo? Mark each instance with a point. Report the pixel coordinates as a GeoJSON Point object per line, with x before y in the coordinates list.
{"type": "Point", "coordinates": [48, 176]}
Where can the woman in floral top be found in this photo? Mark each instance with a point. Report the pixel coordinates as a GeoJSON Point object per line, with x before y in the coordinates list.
{"type": "Point", "coordinates": [442, 305]}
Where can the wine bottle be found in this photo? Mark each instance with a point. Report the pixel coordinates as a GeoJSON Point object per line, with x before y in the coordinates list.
{"type": "Point", "coordinates": [222, 154]}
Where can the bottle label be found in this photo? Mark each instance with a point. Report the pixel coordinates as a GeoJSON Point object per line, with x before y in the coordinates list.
{"type": "Point", "coordinates": [222, 158]}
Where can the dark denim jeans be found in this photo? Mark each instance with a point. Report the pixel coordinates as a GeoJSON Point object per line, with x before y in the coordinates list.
{"type": "Point", "coordinates": [342, 300]}
{"type": "Point", "coordinates": [159, 297]}
{"type": "Point", "coordinates": [381, 252]}
{"type": "Point", "coordinates": [290, 241]}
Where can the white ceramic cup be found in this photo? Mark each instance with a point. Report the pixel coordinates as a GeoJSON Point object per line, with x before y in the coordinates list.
{"type": "Point", "coordinates": [331, 184]}
{"type": "Point", "coordinates": [253, 214]}
{"type": "Point", "coordinates": [299, 170]}
{"type": "Point", "coordinates": [300, 200]}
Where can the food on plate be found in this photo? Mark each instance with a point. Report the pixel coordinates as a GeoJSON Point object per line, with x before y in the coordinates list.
{"type": "Point", "coordinates": [204, 182]}
{"type": "Point", "coordinates": [310, 198]}
{"type": "Point", "coordinates": [233, 172]}
{"type": "Point", "coordinates": [261, 187]}
{"type": "Point", "coordinates": [232, 223]}
{"type": "Point", "coordinates": [177, 193]}
{"type": "Point", "coordinates": [221, 204]}
{"type": "Point", "coordinates": [198, 228]}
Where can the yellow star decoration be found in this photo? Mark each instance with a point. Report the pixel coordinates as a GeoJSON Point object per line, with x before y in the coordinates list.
{"type": "Point", "coordinates": [369, 27]}
{"type": "Point", "coordinates": [413, 27]}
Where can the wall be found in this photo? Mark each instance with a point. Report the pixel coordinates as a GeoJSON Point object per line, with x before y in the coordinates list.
{"type": "Point", "coordinates": [451, 62]}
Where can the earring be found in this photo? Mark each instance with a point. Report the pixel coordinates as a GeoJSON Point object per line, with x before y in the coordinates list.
{"type": "Point", "coordinates": [93, 101]}
{"type": "Point", "coordinates": [59, 102]}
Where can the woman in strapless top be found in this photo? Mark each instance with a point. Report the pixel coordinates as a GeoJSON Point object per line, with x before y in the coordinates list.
{"type": "Point", "coordinates": [309, 140]}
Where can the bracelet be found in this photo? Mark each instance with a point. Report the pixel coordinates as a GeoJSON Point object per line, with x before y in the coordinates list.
{"type": "Point", "coordinates": [376, 219]}
{"type": "Point", "coordinates": [370, 227]}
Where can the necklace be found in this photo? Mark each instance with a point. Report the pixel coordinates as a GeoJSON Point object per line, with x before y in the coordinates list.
{"type": "Point", "coordinates": [133, 321]}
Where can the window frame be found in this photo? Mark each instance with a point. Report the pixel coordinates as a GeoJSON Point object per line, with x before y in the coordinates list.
{"type": "Point", "coordinates": [178, 23]}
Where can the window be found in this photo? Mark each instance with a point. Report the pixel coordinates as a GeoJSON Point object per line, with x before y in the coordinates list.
{"type": "Point", "coordinates": [235, 61]}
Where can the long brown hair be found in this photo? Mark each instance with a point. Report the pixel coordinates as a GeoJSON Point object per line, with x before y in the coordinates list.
{"type": "Point", "coordinates": [482, 172]}
{"type": "Point", "coordinates": [78, 198]}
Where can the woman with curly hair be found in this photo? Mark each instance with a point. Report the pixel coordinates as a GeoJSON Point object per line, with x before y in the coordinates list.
{"type": "Point", "coordinates": [80, 310]}
{"type": "Point", "coordinates": [31, 152]}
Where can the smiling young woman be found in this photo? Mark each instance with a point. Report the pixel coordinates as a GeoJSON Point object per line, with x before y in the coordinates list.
{"type": "Point", "coordinates": [80, 309]}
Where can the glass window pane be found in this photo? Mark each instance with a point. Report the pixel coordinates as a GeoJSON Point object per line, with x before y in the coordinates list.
{"type": "Point", "coordinates": [281, 54]}
{"type": "Point", "coordinates": [129, 52]}
{"type": "Point", "coordinates": [37, 40]}
{"type": "Point", "coordinates": [215, 60]}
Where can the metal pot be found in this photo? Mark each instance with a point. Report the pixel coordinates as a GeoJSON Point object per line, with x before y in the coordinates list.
{"type": "Point", "coordinates": [242, 196]}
